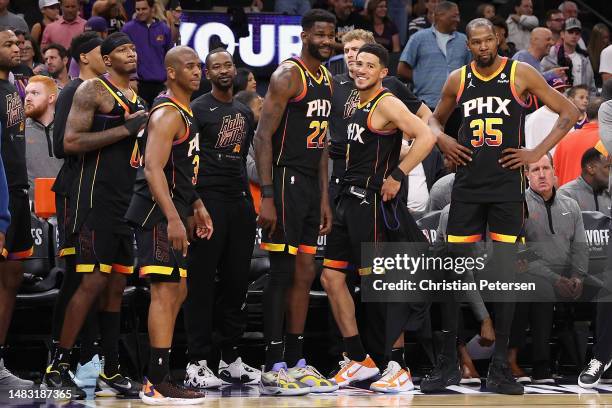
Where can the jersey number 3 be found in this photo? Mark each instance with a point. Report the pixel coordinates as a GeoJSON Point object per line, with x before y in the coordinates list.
{"type": "Point", "coordinates": [484, 132]}
{"type": "Point", "coordinates": [316, 140]}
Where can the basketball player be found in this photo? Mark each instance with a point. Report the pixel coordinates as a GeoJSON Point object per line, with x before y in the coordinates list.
{"type": "Point", "coordinates": [492, 93]}
{"type": "Point", "coordinates": [373, 172]}
{"type": "Point", "coordinates": [18, 241]}
{"type": "Point", "coordinates": [102, 125]}
{"type": "Point", "coordinates": [225, 128]}
{"type": "Point", "coordinates": [291, 158]}
{"type": "Point", "coordinates": [163, 198]}
{"type": "Point", "coordinates": [85, 49]}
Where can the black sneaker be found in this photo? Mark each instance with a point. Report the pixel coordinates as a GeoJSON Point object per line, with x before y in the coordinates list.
{"type": "Point", "coordinates": [606, 377]}
{"type": "Point", "coordinates": [60, 378]}
{"type": "Point", "coordinates": [117, 385]}
{"type": "Point", "coordinates": [446, 372]}
{"type": "Point", "coordinates": [590, 376]}
{"type": "Point", "coordinates": [542, 375]}
{"type": "Point", "coordinates": [501, 381]}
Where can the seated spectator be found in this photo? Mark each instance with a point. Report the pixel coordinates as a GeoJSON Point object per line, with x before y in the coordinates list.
{"type": "Point", "coordinates": [244, 81]}
{"type": "Point", "coordinates": [423, 21]}
{"type": "Point", "coordinates": [486, 10]}
{"type": "Point", "coordinates": [590, 189]}
{"type": "Point", "coordinates": [50, 10]}
{"type": "Point", "coordinates": [39, 106]}
{"type": "Point", "coordinates": [579, 95]}
{"type": "Point", "coordinates": [569, 54]}
{"type": "Point", "coordinates": [520, 23]}
{"type": "Point", "coordinates": [440, 193]}
{"type": "Point", "coordinates": [605, 63]}
{"type": "Point", "coordinates": [31, 56]}
{"type": "Point", "coordinates": [347, 20]}
{"type": "Point", "coordinates": [573, 146]}
{"type": "Point", "coordinates": [173, 17]}
{"type": "Point", "coordinates": [65, 28]}
{"type": "Point", "coordinates": [542, 120]}
{"type": "Point", "coordinates": [598, 41]}
{"type": "Point", "coordinates": [13, 21]}
{"type": "Point", "coordinates": [505, 48]}
{"type": "Point", "coordinates": [384, 30]}
{"type": "Point", "coordinates": [113, 12]}
{"type": "Point", "coordinates": [540, 43]}
{"type": "Point", "coordinates": [554, 231]}
{"type": "Point", "coordinates": [20, 74]}
{"type": "Point", "coordinates": [56, 60]}
{"type": "Point", "coordinates": [554, 22]}
{"type": "Point", "coordinates": [291, 7]}
{"type": "Point", "coordinates": [421, 179]}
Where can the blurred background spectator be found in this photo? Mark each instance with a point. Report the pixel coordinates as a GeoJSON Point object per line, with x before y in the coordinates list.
{"type": "Point", "coordinates": [50, 10]}
{"type": "Point", "coordinates": [554, 22]}
{"type": "Point", "coordinates": [113, 12]}
{"type": "Point", "coordinates": [65, 28]}
{"type": "Point", "coordinates": [56, 62]}
{"type": "Point", "coordinates": [598, 41]}
{"type": "Point", "coordinates": [244, 81]}
{"type": "Point", "coordinates": [385, 31]}
{"type": "Point", "coordinates": [505, 49]}
{"type": "Point", "coordinates": [520, 23]}
{"type": "Point", "coordinates": [8, 19]}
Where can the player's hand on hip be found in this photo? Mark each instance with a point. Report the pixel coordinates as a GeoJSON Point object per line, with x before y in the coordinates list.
{"type": "Point", "coordinates": [456, 152]}
{"type": "Point", "coordinates": [203, 223]}
{"type": "Point", "coordinates": [267, 216]}
{"type": "Point", "coordinates": [326, 219]}
{"type": "Point", "coordinates": [390, 188]}
{"type": "Point", "coordinates": [514, 158]}
{"type": "Point", "coordinates": [177, 236]}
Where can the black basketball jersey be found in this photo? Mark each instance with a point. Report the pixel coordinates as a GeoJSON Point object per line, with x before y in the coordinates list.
{"type": "Point", "coordinates": [371, 154]}
{"type": "Point", "coordinates": [106, 176]}
{"type": "Point", "coordinates": [493, 120]}
{"type": "Point", "coordinates": [344, 102]}
{"type": "Point", "coordinates": [180, 171]}
{"type": "Point", "coordinates": [226, 132]}
{"type": "Point", "coordinates": [301, 135]}
{"type": "Point", "coordinates": [12, 120]}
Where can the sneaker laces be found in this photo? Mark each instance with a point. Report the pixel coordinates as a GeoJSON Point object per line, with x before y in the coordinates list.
{"type": "Point", "coordinates": [282, 374]}
{"type": "Point", "coordinates": [201, 370]}
{"type": "Point", "coordinates": [388, 371]}
{"type": "Point", "coordinates": [594, 366]}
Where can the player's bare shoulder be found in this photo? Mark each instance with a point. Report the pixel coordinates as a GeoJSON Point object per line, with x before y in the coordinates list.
{"type": "Point", "coordinates": [286, 79]}
{"type": "Point", "coordinates": [93, 94]}
{"type": "Point", "coordinates": [525, 77]}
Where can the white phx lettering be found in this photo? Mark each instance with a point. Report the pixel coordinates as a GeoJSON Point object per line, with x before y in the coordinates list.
{"type": "Point", "coordinates": [354, 132]}
{"type": "Point", "coordinates": [322, 107]}
{"type": "Point", "coordinates": [493, 104]}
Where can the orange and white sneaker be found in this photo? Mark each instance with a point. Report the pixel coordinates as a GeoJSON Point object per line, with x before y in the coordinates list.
{"type": "Point", "coordinates": [166, 393]}
{"type": "Point", "coordinates": [352, 371]}
{"type": "Point", "coordinates": [394, 379]}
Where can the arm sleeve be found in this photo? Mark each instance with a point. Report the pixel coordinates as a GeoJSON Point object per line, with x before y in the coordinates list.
{"type": "Point", "coordinates": [528, 22]}
{"type": "Point", "coordinates": [5, 216]}
{"type": "Point", "coordinates": [579, 250]}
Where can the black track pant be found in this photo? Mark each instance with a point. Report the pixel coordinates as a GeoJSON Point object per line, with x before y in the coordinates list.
{"type": "Point", "coordinates": [219, 268]}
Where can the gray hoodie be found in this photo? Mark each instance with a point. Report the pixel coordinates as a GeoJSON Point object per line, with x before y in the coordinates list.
{"type": "Point", "coordinates": [605, 130]}
{"type": "Point", "coordinates": [583, 193]}
{"type": "Point", "coordinates": [555, 231]}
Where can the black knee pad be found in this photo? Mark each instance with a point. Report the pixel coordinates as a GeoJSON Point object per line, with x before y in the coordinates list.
{"type": "Point", "coordinates": [282, 267]}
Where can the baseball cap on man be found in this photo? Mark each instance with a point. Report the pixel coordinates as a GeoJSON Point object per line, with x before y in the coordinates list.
{"type": "Point", "coordinates": [572, 24]}
{"type": "Point", "coordinates": [97, 24]}
{"type": "Point", "coordinates": [558, 83]}
{"type": "Point", "coordinates": [47, 3]}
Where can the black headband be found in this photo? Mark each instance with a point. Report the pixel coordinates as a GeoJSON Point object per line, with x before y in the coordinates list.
{"type": "Point", "coordinates": [113, 41]}
{"type": "Point", "coordinates": [86, 47]}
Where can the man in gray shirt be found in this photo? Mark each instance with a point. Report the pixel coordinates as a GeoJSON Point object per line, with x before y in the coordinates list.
{"type": "Point", "coordinates": [590, 189]}
{"type": "Point", "coordinates": [13, 21]}
{"type": "Point", "coordinates": [39, 105]}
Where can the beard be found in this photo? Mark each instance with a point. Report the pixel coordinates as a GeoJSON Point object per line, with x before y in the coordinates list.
{"type": "Point", "coordinates": [33, 111]}
{"type": "Point", "coordinates": [221, 86]}
{"type": "Point", "coordinates": [485, 63]}
{"type": "Point", "coordinates": [316, 52]}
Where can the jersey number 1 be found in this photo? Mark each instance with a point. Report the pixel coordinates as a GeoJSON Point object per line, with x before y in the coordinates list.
{"type": "Point", "coordinates": [484, 132]}
{"type": "Point", "coordinates": [316, 140]}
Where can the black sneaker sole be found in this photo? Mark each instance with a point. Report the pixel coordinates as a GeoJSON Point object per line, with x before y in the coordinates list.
{"type": "Point", "coordinates": [439, 385]}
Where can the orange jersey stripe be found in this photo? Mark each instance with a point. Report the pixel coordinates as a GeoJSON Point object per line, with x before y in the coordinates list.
{"type": "Point", "coordinates": [464, 238]}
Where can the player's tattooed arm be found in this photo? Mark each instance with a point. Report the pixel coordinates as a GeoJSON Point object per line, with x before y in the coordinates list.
{"type": "Point", "coordinates": [455, 152]}
{"type": "Point", "coordinates": [529, 81]}
{"type": "Point", "coordinates": [284, 85]}
{"type": "Point", "coordinates": [91, 96]}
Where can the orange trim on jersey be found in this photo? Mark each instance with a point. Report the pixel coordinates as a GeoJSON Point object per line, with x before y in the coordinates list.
{"type": "Point", "coordinates": [369, 122]}
{"type": "Point", "coordinates": [517, 97]}
{"type": "Point", "coordinates": [307, 249]}
{"type": "Point", "coordinates": [361, 105]}
{"type": "Point", "coordinates": [320, 71]}
{"type": "Point", "coordinates": [302, 94]}
{"type": "Point", "coordinates": [114, 95]}
{"type": "Point", "coordinates": [464, 238]}
{"type": "Point", "coordinates": [180, 105]}
{"type": "Point", "coordinates": [462, 83]}
{"type": "Point", "coordinates": [267, 246]}
{"type": "Point", "coordinates": [134, 95]}
{"type": "Point", "coordinates": [161, 270]}
{"type": "Point", "coordinates": [330, 263]}
{"type": "Point", "coordinates": [503, 237]}
{"type": "Point", "coordinates": [493, 75]}
{"type": "Point", "coordinates": [19, 255]}
{"type": "Point", "coordinates": [123, 269]}
{"type": "Point", "coordinates": [177, 106]}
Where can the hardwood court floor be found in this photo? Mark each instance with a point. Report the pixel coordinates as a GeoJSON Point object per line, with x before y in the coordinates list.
{"type": "Point", "coordinates": [248, 397]}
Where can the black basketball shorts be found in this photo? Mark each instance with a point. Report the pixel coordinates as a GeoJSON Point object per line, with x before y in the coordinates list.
{"type": "Point", "coordinates": [156, 257]}
{"type": "Point", "coordinates": [297, 199]}
{"type": "Point", "coordinates": [19, 243]}
{"type": "Point", "coordinates": [467, 222]}
{"type": "Point", "coordinates": [106, 249]}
